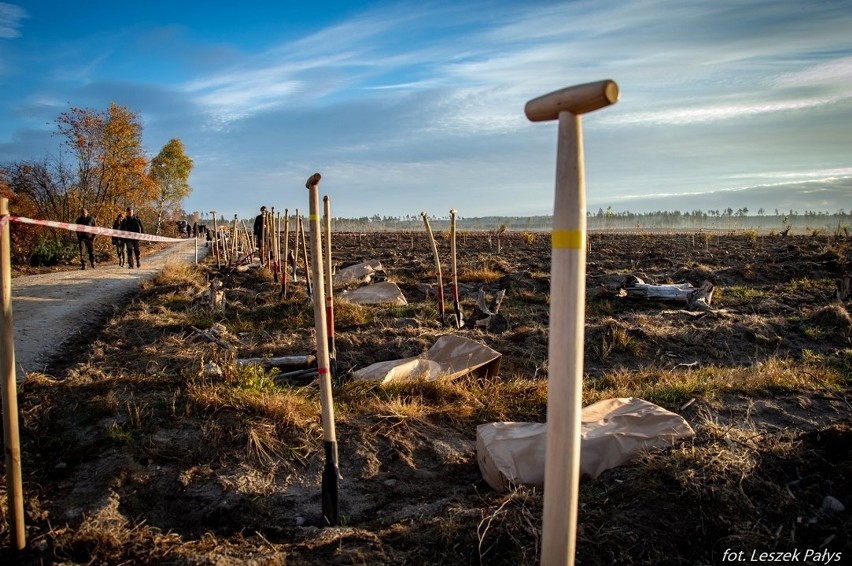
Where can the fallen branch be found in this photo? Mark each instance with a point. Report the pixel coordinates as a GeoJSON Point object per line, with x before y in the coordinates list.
{"type": "Point", "coordinates": [699, 297]}
{"type": "Point", "coordinates": [486, 316]}
{"type": "Point", "coordinates": [495, 304]}
{"type": "Point", "coordinates": [280, 362]}
{"type": "Point", "coordinates": [209, 335]}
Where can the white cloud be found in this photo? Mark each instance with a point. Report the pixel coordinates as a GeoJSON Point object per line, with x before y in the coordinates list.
{"type": "Point", "coordinates": [715, 113]}
{"type": "Point", "coordinates": [819, 174]}
{"type": "Point", "coordinates": [317, 65]}
{"type": "Point", "coordinates": [11, 16]}
{"type": "Point", "coordinates": [837, 71]}
{"type": "Point", "coordinates": [366, 54]}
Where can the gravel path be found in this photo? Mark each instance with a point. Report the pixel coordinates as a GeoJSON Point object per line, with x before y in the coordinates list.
{"type": "Point", "coordinates": [50, 309]}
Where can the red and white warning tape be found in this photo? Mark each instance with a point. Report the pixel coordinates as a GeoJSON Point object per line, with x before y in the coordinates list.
{"type": "Point", "coordinates": [90, 229]}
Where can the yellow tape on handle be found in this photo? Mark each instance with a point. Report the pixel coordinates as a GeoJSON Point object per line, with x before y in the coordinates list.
{"type": "Point", "coordinates": [568, 239]}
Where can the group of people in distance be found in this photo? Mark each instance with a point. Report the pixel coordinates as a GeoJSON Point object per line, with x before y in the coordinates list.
{"type": "Point", "coordinates": [128, 223]}
{"type": "Point", "coordinates": [124, 247]}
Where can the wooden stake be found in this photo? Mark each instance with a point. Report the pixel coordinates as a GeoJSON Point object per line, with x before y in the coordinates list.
{"type": "Point", "coordinates": [296, 223]}
{"type": "Point", "coordinates": [215, 239]}
{"type": "Point", "coordinates": [565, 366]}
{"type": "Point", "coordinates": [261, 240]}
{"type": "Point", "coordinates": [456, 306]}
{"type": "Point", "coordinates": [267, 238]}
{"type": "Point", "coordinates": [11, 435]}
{"type": "Point", "coordinates": [273, 245]}
{"type": "Point", "coordinates": [277, 241]}
{"type": "Point", "coordinates": [331, 470]}
{"type": "Point", "coordinates": [440, 292]}
{"type": "Point", "coordinates": [305, 253]}
{"type": "Point", "coordinates": [329, 295]}
{"type": "Point", "coordinates": [234, 238]}
{"type": "Point", "coordinates": [284, 274]}
{"type": "Point", "coordinates": [567, 315]}
{"type": "Point", "coordinates": [248, 238]}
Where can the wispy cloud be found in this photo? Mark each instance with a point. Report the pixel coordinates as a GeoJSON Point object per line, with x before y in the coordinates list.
{"type": "Point", "coordinates": [822, 174]}
{"type": "Point", "coordinates": [838, 72]}
{"type": "Point", "coordinates": [317, 65]}
{"type": "Point", "coordinates": [714, 113]}
{"type": "Point", "coordinates": [366, 54]}
{"type": "Point", "coordinates": [11, 16]}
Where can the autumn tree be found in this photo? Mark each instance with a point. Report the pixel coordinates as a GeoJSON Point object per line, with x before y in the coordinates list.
{"type": "Point", "coordinates": [39, 189]}
{"type": "Point", "coordinates": [111, 162]}
{"type": "Point", "coordinates": [170, 170]}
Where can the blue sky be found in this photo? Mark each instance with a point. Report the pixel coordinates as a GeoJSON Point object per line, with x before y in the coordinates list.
{"type": "Point", "coordinates": [412, 106]}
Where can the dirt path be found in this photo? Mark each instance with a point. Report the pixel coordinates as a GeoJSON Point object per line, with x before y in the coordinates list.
{"type": "Point", "coordinates": [50, 310]}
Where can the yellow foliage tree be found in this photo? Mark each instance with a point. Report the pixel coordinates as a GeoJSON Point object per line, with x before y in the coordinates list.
{"type": "Point", "coordinates": [170, 169]}
{"type": "Point", "coordinates": [111, 162]}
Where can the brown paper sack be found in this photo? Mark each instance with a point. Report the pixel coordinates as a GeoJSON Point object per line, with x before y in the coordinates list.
{"type": "Point", "coordinates": [358, 273]}
{"type": "Point", "coordinates": [384, 293]}
{"type": "Point", "coordinates": [449, 357]}
{"type": "Point", "coordinates": [613, 432]}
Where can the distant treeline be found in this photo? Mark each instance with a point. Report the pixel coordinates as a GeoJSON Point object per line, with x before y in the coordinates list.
{"type": "Point", "coordinates": [728, 219]}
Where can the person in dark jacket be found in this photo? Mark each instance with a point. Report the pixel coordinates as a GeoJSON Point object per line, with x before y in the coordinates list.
{"type": "Point", "coordinates": [258, 229]}
{"type": "Point", "coordinates": [118, 242]}
{"type": "Point", "coordinates": [84, 239]}
{"type": "Point", "coordinates": [132, 223]}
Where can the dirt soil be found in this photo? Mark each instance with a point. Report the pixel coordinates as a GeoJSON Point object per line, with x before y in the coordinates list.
{"type": "Point", "coordinates": [411, 491]}
{"type": "Point", "coordinates": [56, 309]}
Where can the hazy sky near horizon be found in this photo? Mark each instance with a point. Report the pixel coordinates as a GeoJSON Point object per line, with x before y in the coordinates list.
{"type": "Point", "coordinates": [409, 106]}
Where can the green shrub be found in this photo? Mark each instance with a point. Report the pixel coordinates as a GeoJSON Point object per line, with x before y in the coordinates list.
{"type": "Point", "coordinates": [49, 251]}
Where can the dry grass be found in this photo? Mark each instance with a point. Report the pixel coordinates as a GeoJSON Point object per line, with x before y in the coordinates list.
{"type": "Point", "coordinates": [479, 275]}
{"type": "Point", "coordinates": [676, 386]}
{"type": "Point", "coordinates": [237, 453]}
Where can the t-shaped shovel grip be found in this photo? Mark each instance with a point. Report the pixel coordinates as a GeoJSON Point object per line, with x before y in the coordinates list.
{"type": "Point", "coordinates": [313, 181]}
{"type": "Point", "coordinates": [579, 99]}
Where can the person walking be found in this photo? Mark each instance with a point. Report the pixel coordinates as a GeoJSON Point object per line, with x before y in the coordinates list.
{"type": "Point", "coordinates": [116, 241]}
{"type": "Point", "coordinates": [258, 231]}
{"type": "Point", "coordinates": [132, 223]}
{"type": "Point", "coordinates": [84, 239]}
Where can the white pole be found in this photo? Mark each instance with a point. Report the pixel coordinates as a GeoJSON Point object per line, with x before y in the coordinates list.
{"type": "Point", "coordinates": [567, 315]}
{"type": "Point", "coordinates": [565, 346]}
{"type": "Point", "coordinates": [286, 253]}
{"type": "Point", "coordinates": [456, 306]}
{"type": "Point", "coordinates": [440, 290]}
{"type": "Point", "coordinates": [11, 433]}
{"type": "Point", "coordinates": [329, 296]}
{"type": "Point", "coordinates": [331, 470]}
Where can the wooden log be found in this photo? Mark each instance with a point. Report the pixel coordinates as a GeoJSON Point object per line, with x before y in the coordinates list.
{"type": "Point", "coordinates": [300, 374]}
